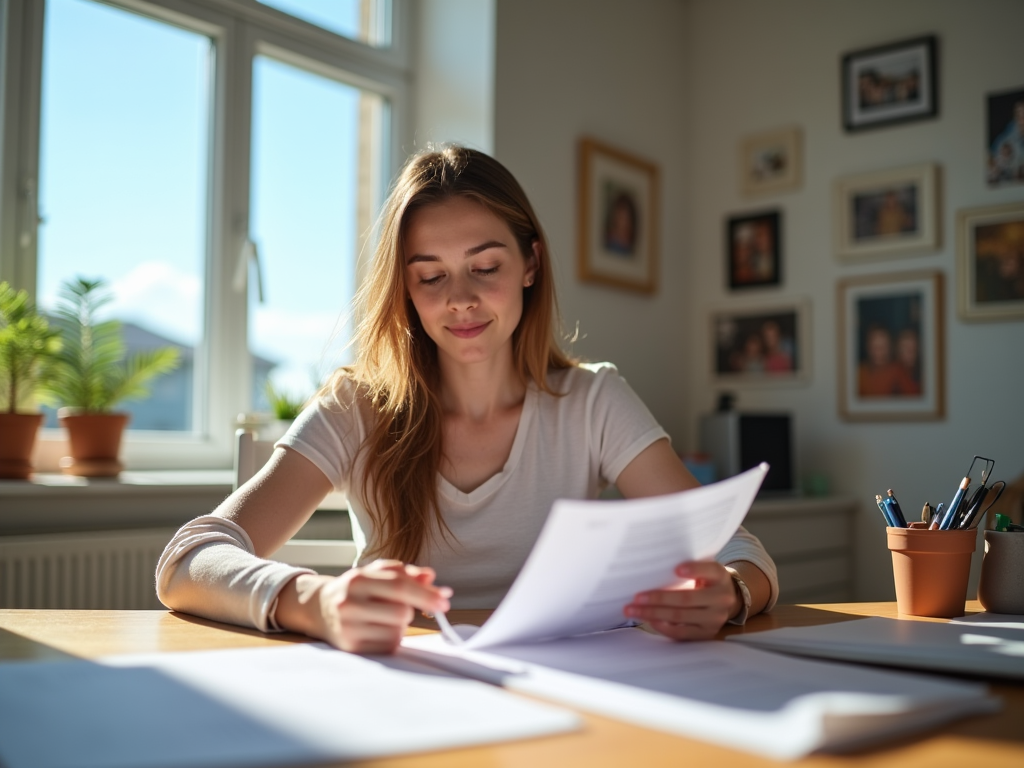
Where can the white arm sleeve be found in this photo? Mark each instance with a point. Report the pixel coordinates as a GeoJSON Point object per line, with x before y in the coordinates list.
{"type": "Point", "coordinates": [746, 546]}
{"type": "Point", "coordinates": [210, 569]}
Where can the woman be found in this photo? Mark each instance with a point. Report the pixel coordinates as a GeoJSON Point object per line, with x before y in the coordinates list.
{"type": "Point", "coordinates": [453, 433]}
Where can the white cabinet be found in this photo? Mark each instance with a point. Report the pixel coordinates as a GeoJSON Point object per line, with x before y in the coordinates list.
{"type": "Point", "coordinates": [811, 541]}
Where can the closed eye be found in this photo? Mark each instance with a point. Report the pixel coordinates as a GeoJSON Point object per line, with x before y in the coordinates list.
{"type": "Point", "coordinates": [431, 280]}
{"type": "Point", "coordinates": [488, 271]}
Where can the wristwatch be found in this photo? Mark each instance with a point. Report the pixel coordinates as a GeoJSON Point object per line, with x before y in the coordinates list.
{"type": "Point", "coordinates": [741, 589]}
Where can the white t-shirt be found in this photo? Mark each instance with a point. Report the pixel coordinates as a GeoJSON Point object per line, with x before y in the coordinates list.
{"type": "Point", "coordinates": [567, 446]}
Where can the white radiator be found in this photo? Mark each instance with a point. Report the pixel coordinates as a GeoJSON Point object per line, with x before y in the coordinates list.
{"type": "Point", "coordinates": [109, 570]}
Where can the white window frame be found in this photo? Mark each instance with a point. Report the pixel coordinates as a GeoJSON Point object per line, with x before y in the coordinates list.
{"type": "Point", "coordinates": [240, 29]}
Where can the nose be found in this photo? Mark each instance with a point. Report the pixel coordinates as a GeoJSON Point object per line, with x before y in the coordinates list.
{"type": "Point", "coordinates": [462, 295]}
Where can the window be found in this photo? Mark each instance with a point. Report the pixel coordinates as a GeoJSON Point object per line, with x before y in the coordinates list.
{"type": "Point", "coordinates": [219, 164]}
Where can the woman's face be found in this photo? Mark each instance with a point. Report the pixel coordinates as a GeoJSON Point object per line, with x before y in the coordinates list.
{"type": "Point", "coordinates": [465, 275]}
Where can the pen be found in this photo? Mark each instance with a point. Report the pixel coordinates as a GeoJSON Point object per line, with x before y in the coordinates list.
{"type": "Point", "coordinates": [926, 513]}
{"type": "Point", "coordinates": [885, 512]}
{"type": "Point", "coordinates": [896, 511]}
{"type": "Point", "coordinates": [937, 517]}
{"type": "Point", "coordinates": [898, 521]}
{"type": "Point", "coordinates": [950, 517]}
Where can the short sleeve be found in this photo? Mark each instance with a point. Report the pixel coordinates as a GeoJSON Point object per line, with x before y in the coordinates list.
{"type": "Point", "coordinates": [621, 425]}
{"type": "Point", "coordinates": [329, 432]}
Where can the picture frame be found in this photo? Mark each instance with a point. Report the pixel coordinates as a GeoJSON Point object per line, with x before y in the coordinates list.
{"type": "Point", "coordinates": [618, 218]}
{"type": "Point", "coordinates": [891, 347]}
{"type": "Point", "coordinates": [771, 162]}
{"type": "Point", "coordinates": [761, 344]}
{"type": "Point", "coordinates": [1004, 138]}
{"type": "Point", "coordinates": [890, 84]}
{"type": "Point", "coordinates": [887, 213]}
{"type": "Point", "coordinates": [990, 262]}
{"type": "Point", "coordinates": [753, 250]}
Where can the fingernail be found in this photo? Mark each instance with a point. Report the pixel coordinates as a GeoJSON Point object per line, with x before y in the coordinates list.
{"type": "Point", "coordinates": [446, 592]}
{"type": "Point", "coordinates": [642, 599]}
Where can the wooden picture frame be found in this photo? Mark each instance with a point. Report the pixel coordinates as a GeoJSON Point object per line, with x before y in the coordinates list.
{"type": "Point", "coordinates": [753, 254]}
{"type": "Point", "coordinates": [887, 213]}
{"type": "Point", "coordinates": [761, 344]}
{"type": "Point", "coordinates": [890, 84]}
{"type": "Point", "coordinates": [618, 218]}
{"type": "Point", "coordinates": [891, 347]}
{"type": "Point", "coordinates": [771, 162]}
{"type": "Point", "coordinates": [990, 262]}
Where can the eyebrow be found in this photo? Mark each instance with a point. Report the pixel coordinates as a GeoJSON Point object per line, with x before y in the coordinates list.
{"type": "Point", "coordinates": [416, 257]}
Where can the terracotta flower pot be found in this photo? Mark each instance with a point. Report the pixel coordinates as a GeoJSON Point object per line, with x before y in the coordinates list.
{"type": "Point", "coordinates": [17, 439]}
{"type": "Point", "coordinates": [930, 570]}
{"type": "Point", "coordinates": [95, 443]}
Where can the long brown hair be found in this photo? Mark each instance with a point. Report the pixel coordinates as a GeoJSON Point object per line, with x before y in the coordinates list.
{"type": "Point", "coordinates": [396, 367]}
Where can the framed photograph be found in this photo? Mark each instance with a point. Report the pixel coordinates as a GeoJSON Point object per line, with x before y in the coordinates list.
{"type": "Point", "coordinates": [887, 213]}
{"type": "Point", "coordinates": [889, 84]}
{"type": "Point", "coordinates": [891, 347]}
{"type": "Point", "coordinates": [771, 162]}
{"type": "Point", "coordinates": [761, 344]}
{"type": "Point", "coordinates": [618, 218]}
{"type": "Point", "coordinates": [753, 249]}
{"type": "Point", "coordinates": [1004, 150]}
{"type": "Point", "coordinates": [990, 262]}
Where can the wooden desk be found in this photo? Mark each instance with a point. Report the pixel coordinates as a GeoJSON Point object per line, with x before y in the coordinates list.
{"type": "Point", "coordinates": [996, 740]}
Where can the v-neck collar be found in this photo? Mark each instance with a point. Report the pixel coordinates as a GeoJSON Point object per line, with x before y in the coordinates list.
{"type": "Point", "coordinates": [491, 485]}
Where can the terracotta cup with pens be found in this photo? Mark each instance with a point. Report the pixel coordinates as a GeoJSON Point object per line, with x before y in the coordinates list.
{"type": "Point", "coordinates": [931, 559]}
{"type": "Point", "coordinates": [930, 569]}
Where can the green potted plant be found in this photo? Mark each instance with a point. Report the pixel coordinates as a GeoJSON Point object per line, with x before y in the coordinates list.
{"type": "Point", "coordinates": [27, 345]}
{"type": "Point", "coordinates": [91, 377]}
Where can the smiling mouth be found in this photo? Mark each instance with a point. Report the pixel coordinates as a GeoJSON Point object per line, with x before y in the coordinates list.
{"type": "Point", "coordinates": [468, 331]}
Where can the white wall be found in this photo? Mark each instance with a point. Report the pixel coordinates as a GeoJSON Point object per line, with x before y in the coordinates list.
{"type": "Point", "coordinates": [454, 64]}
{"type": "Point", "coordinates": [756, 66]}
{"type": "Point", "coordinates": [681, 82]}
{"type": "Point", "coordinates": [615, 70]}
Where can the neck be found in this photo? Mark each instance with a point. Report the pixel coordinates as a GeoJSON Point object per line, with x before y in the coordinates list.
{"type": "Point", "coordinates": [482, 389]}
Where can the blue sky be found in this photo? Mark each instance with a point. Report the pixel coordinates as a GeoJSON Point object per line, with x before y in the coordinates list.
{"type": "Point", "coordinates": [123, 180]}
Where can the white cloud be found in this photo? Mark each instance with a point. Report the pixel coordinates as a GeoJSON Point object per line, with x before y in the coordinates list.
{"type": "Point", "coordinates": [162, 298]}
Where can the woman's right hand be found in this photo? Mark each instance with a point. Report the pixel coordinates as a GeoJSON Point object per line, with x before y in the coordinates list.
{"type": "Point", "coordinates": [366, 609]}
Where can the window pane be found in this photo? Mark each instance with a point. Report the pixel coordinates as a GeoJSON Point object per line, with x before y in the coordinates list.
{"type": "Point", "coordinates": [123, 179]}
{"type": "Point", "coordinates": [307, 164]}
{"type": "Point", "coordinates": [364, 20]}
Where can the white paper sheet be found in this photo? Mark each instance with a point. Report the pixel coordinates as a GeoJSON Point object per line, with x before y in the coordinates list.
{"type": "Point", "coordinates": [738, 697]}
{"type": "Point", "coordinates": [592, 557]}
{"type": "Point", "coordinates": [249, 707]}
{"type": "Point", "coordinates": [991, 648]}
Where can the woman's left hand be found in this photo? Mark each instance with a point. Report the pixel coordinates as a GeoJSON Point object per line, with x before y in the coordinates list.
{"type": "Point", "coordinates": [694, 609]}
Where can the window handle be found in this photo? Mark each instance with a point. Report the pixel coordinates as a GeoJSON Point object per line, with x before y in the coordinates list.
{"type": "Point", "coordinates": [249, 254]}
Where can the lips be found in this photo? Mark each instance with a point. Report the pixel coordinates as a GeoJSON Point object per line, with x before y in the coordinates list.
{"type": "Point", "coordinates": [467, 330]}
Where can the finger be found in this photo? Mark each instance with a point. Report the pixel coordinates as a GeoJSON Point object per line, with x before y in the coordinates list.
{"type": "Point", "coordinates": [701, 616]}
{"type": "Point", "coordinates": [396, 586]}
{"type": "Point", "coordinates": [378, 612]}
{"type": "Point", "coordinates": [707, 571]}
{"type": "Point", "coordinates": [372, 638]}
{"type": "Point", "coordinates": [683, 631]}
{"type": "Point", "coordinates": [700, 597]}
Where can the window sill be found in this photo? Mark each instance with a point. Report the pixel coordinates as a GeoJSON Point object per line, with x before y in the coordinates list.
{"type": "Point", "coordinates": [50, 503]}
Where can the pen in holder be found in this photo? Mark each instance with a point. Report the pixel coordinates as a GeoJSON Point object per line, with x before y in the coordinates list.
{"type": "Point", "coordinates": [930, 569]}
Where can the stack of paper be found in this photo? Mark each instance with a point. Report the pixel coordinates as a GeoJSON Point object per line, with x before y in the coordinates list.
{"type": "Point", "coordinates": [982, 645]}
{"type": "Point", "coordinates": [303, 704]}
{"type": "Point", "coordinates": [738, 697]}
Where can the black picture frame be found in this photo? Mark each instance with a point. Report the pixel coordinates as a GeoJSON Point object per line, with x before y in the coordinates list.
{"type": "Point", "coordinates": [1004, 137]}
{"type": "Point", "coordinates": [890, 84]}
{"type": "Point", "coordinates": [753, 250]}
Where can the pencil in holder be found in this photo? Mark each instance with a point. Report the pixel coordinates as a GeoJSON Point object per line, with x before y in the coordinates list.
{"type": "Point", "coordinates": [930, 569]}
